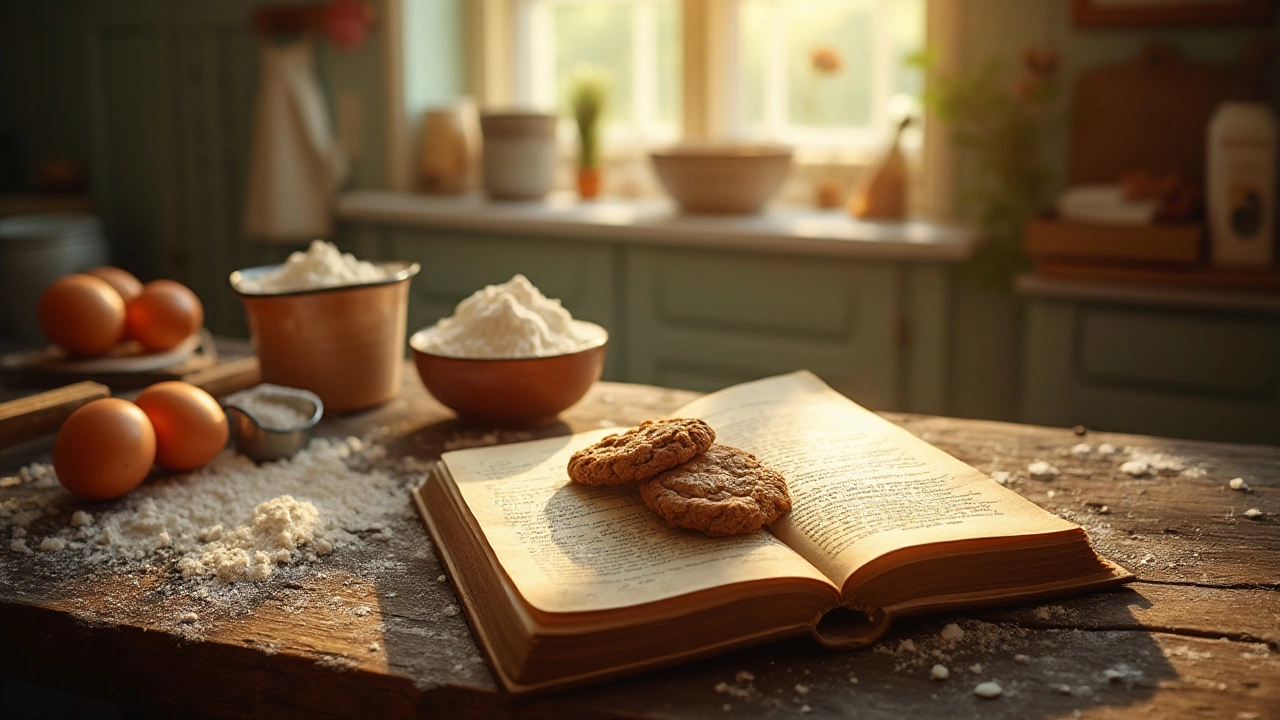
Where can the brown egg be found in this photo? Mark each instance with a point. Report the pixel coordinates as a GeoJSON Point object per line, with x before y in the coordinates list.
{"type": "Point", "coordinates": [122, 280]}
{"type": "Point", "coordinates": [191, 428]}
{"type": "Point", "coordinates": [165, 314]}
{"type": "Point", "coordinates": [104, 449]}
{"type": "Point", "coordinates": [82, 314]}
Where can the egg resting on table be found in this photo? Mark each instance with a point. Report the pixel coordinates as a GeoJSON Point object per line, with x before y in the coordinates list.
{"type": "Point", "coordinates": [164, 314]}
{"type": "Point", "coordinates": [81, 314]}
{"type": "Point", "coordinates": [123, 281]}
{"type": "Point", "coordinates": [191, 428]}
{"type": "Point", "coordinates": [104, 449]}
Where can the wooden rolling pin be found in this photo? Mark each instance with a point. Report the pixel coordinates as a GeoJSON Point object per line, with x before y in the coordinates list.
{"type": "Point", "coordinates": [34, 415]}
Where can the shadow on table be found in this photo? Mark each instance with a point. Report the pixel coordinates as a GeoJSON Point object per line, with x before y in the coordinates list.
{"type": "Point", "coordinates": [1044, 672]}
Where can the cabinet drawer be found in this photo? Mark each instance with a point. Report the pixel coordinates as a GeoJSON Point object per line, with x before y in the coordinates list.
{"type": "Point", "coordinates": [772, 297]}
{"type": "Point", "coordinates": [1179, 351]}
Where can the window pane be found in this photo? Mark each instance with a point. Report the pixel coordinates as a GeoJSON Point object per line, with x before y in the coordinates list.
{"type": "Point", "coordinates": [669, 79]}
{"type": "Point", "coordinates": [596, 33]}
{"type": "Point", "coordinates": [843, 30]}
{"type": "Point", "coordinates": [637, 42]}
{"type": "Point", "coordinates": [819, 69]}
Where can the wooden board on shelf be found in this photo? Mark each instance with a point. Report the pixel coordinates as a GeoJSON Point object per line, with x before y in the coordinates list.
{"type": "Point", "coordinates": [1210, 278]}
{"type": "Point", "coordinates": [1047, 239]}
{"type": "Point", "coordinates": [1150, 114]}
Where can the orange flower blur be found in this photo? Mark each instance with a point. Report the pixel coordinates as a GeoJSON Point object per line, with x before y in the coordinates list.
{"type": "Point", "coordinates": [826, 60]}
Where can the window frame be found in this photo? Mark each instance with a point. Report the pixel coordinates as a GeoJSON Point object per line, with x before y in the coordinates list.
{"type": "Point", "coordinates": [488, 61]}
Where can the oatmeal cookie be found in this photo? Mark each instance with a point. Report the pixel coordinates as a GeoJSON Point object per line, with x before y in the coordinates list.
{"type": "Point", "coordinates": [724, 491]}
{"type": "Point", "coordinates": [641, 453]}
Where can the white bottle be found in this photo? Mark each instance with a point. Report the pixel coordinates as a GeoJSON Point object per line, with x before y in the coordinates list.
{"type": "Point", "coordinates": [1241, 184]}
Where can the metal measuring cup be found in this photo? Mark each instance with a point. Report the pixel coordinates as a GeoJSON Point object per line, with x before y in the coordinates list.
{"type": "Point", "coordinates": [260, 441]}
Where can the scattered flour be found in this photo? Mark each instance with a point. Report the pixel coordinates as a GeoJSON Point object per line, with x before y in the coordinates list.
{"type": "Point", "coordinates": [276, 529]}
{"type": "Point", "coordinates": [1081, 450]}
{"type": "Point", "coordinates": [939, 672]}
{"type": "Point", "coordinates": [1136, 468]}
{"type": "Point", "coordinates": [1041, 470]}
{"type": "Point", "coordinates": [511, 320]}
{"type": "Point", "coordinates": [321, 266]}
{"type": "Point", "coordinates": [1239, 484]}
{"type": "Point", "coordinates": [1000, 476]}
{"type": "Point", "coordinates": [952, 632]}
{"type": "Point", "coordinates": [1107, 449]}
{"type": "Point", "coordinates": [1253, 513]}
{"type": "Point", "coordinates": [232, 520]}
{"type": "Point", "coordinates": [988, 690]}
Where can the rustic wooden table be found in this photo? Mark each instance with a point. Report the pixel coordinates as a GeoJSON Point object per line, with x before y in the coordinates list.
{"type": "Point", "coordinates": [1197, 635]}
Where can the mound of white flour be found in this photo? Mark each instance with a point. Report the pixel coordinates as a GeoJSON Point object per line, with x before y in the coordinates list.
{"type": "Point", "coordinates": [321, 266]}
{"type": "Point", "coordinates": [511, 320]}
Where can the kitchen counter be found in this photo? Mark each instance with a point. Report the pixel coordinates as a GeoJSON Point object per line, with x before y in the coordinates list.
{"type": "Point", "coordinates": [373, 631]}
{"type": "Point", "coordinates": [797, 231]}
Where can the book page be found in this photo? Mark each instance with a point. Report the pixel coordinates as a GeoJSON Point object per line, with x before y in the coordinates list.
{"type": "Point", "coordinates": [569, 547]}
{"type": "Point", "coordinates": [860, 485]}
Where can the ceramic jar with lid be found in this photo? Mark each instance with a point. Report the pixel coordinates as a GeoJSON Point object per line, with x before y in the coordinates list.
{"type": "Point", "coordinates": [520, 154]}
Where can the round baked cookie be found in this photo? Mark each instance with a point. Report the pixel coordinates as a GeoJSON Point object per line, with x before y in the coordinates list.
{"type": "Point", "coordinates": [724, 491]}
{"type": "Point", "coordinates": [642, 452]}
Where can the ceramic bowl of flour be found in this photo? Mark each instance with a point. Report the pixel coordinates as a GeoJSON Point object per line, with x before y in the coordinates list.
{"type": "Point", "coordinates": [509, 356]}
{"type": "Point", "coordinates": [512, 392]}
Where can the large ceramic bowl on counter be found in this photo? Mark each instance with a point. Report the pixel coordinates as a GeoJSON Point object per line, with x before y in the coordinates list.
{"type": "Point", "coordinates": [728, 178]}
{"type": "Point", "coordinates": [343, 343]}
{"type": "Point", "coordinates": [512, 392]}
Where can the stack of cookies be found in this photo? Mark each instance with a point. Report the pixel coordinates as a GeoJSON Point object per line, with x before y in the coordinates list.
{"type": "Point", "coordinates": [686, 478]}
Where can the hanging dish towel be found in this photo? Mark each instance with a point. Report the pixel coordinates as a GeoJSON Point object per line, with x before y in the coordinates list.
{"type": "Point", "coordinates": [296, 165]}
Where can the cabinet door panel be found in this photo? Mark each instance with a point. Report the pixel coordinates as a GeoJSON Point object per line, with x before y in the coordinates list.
{"type": "Point", "coordinates": [707, 319]}
{"type": "Point", "coordinates": [1152, 371]}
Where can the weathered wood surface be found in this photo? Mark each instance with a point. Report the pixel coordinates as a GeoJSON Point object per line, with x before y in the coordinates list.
{"type": "Point", "coordinates": [1197, 636]}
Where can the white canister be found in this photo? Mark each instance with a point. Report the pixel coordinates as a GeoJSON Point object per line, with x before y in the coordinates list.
{"type": "Point", "coordinates": [1241, 184]}
{"type": "Point", "coordinates": [35, 250]}
{"type": "Point", "coordinates": [520, 154]}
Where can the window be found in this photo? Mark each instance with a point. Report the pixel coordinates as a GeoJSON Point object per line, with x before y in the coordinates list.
{"type": "Point", "coordinates": [713, 69]}
{"type": "Point", "coordinates": [638, 42]}
{"type": "Point", "coordinates": [825, 73]}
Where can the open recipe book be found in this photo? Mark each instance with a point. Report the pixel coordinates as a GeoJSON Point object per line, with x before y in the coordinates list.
{"type": "Point", "coordinates": [566, 583]}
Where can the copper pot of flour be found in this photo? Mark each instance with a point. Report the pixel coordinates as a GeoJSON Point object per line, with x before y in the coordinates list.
{"type": "Point", "coordinates": [343, 343]}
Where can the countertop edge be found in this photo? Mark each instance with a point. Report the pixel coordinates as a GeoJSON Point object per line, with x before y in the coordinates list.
{"type": "Point", "coordinates": [652, 227]}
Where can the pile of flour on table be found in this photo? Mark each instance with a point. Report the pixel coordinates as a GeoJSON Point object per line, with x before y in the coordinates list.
{"type": "Point", "coordinates": [321, 266]}
{"type": "Point", "coordinates": [232, 520]}
{"type": "Point", "coordinates": [511, 320]}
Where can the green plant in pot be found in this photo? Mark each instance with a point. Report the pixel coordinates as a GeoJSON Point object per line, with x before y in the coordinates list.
{"type": "Point", "coordinates": [588, 98]}
{"type": "Point", "coordinates": [1002, 127]}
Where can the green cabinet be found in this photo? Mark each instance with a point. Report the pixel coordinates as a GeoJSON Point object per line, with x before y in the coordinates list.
{"type": "Point", "coordinates": [704, 319]}
{"type": "Point", "coordinates": [1183, 371]}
